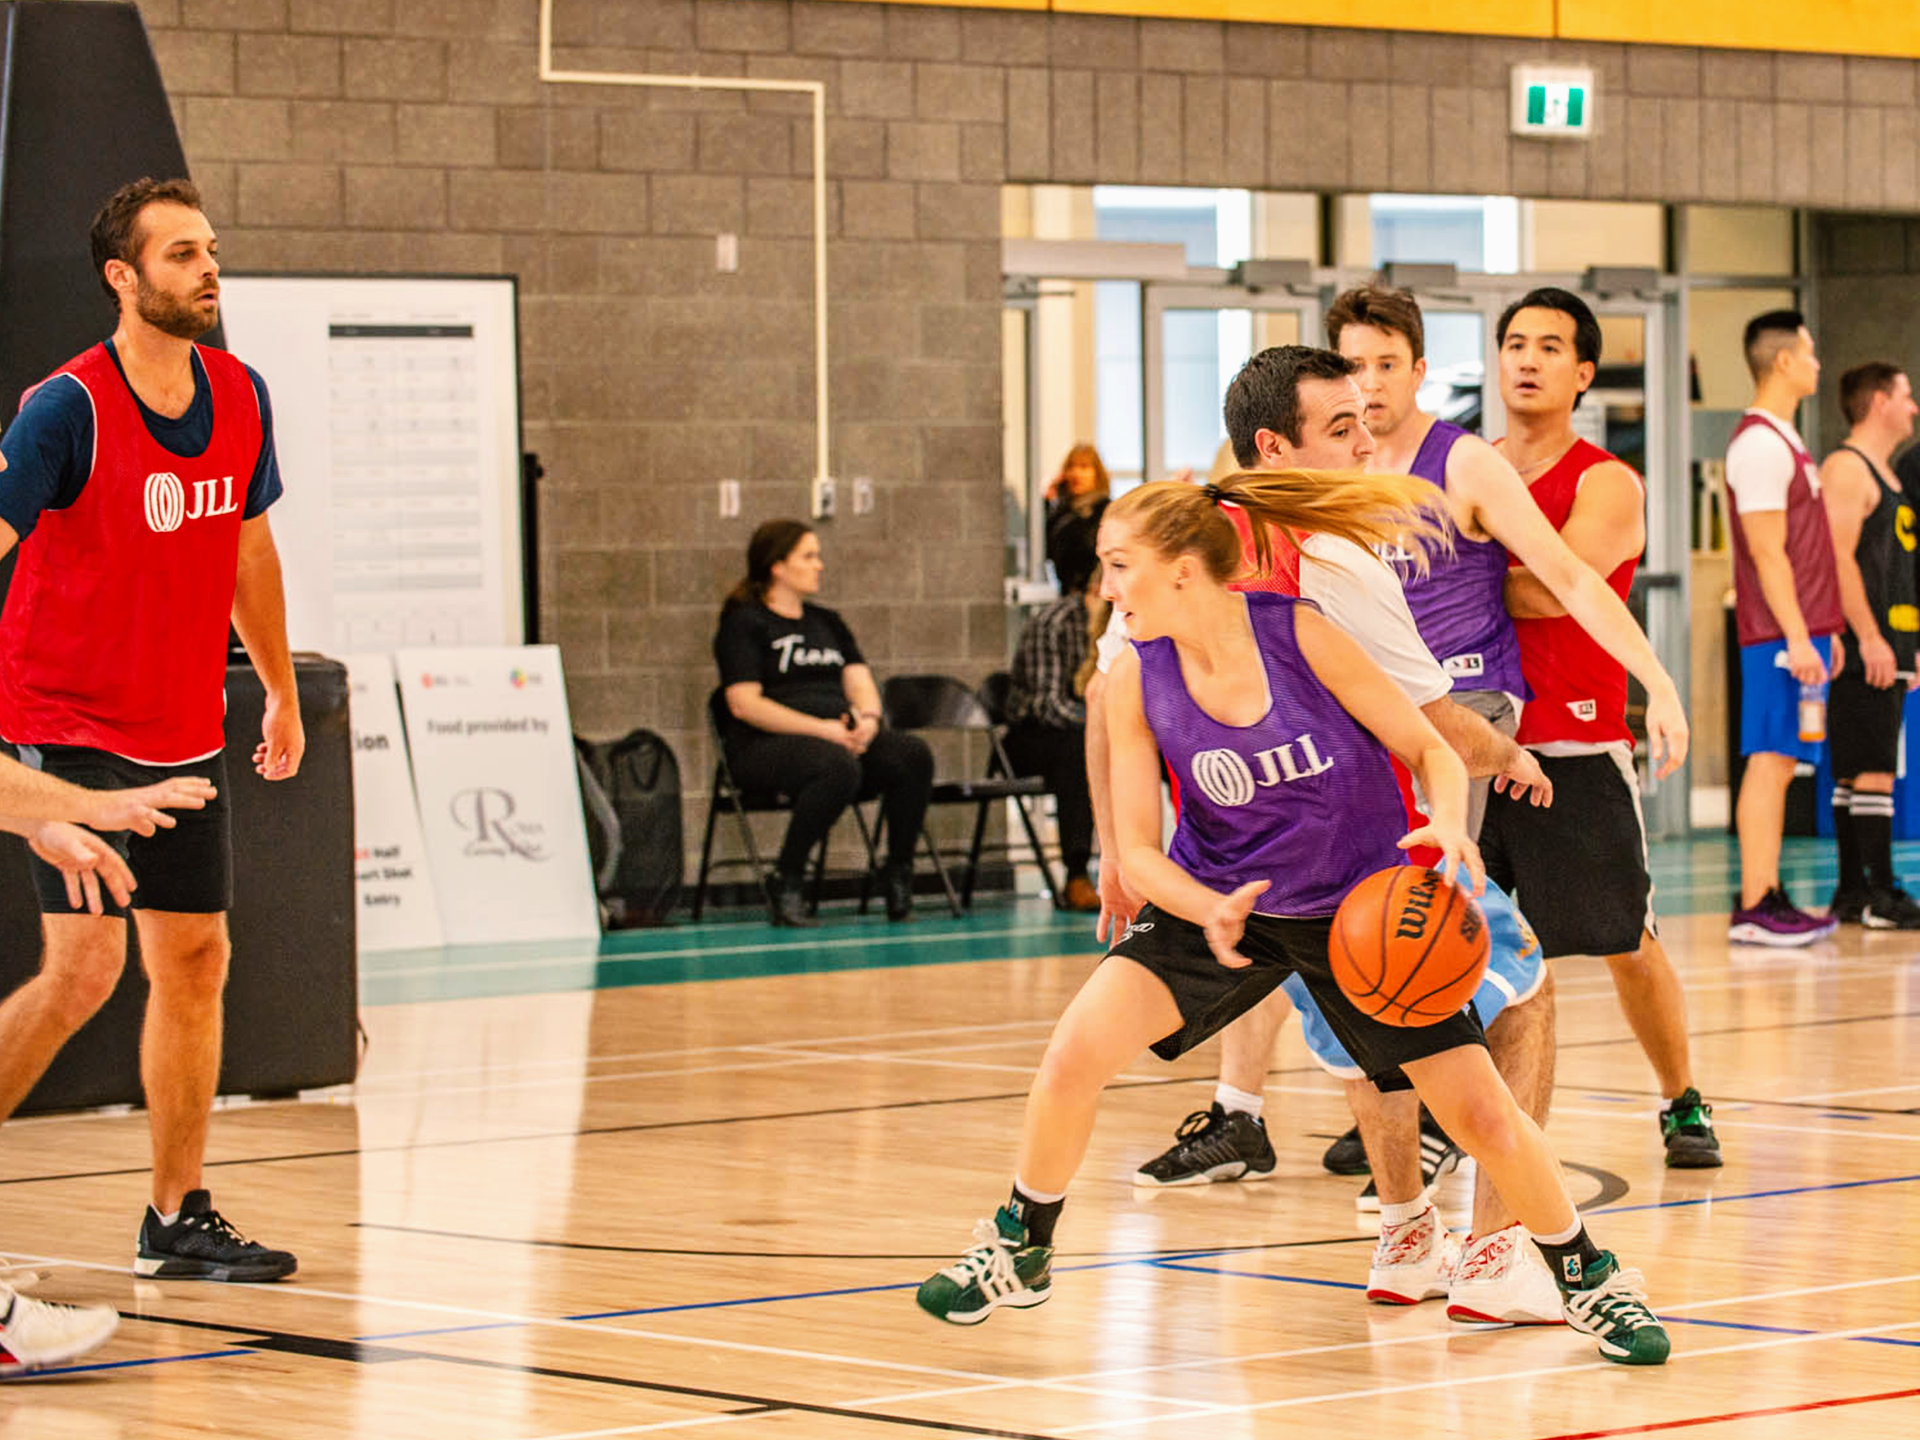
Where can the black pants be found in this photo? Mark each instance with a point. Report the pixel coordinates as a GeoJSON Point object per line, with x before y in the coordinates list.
{"type": "Point", "coordinates": [1060, 757]}
{"type": "Point", "coordinates": [823, 779]}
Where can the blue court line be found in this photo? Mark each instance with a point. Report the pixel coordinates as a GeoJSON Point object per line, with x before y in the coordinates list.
{"type": "Point", "coordinates": [126, 1364]}
{"type": "Point", "coordinates": [1837, 1115]}
{"type": "Point", "coordinates": [1255, 1275]}
{"type": "Point", "coordinates": [1756, 1195]}
{"type": "Point", "coordinates": [1785, 1330]}
{"type": "Point", "coordinates": [742, 1300]}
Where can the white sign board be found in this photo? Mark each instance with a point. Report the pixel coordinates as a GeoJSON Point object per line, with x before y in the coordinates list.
{"type": "Point", "coordinates": [499, 796]}
{"type": "Point", "coordinates": [396, 422]}
{"type": "Point", "coordinates": [392, 887]}
{"type": "Point", "coordinates": [1552, 101]}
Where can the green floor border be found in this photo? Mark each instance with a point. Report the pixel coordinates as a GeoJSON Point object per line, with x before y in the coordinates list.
{"type": "Point", "coordinates": [1693, 876]}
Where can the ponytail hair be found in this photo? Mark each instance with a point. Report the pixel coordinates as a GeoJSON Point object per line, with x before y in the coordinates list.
{"type": "Point", "coordinates": [1373, 511]}
{"type": "Point", "coordinates": [772, 542]}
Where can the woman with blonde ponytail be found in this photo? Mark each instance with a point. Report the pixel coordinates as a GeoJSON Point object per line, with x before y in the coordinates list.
{"type": "Point", "coordinates": [1278, 727]}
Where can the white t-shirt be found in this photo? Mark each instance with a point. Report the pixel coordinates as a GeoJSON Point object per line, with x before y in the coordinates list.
{"type": "Point", "coordinates": [1760, 466]}
{"type": "Point", "coordinates": [1363, 597]}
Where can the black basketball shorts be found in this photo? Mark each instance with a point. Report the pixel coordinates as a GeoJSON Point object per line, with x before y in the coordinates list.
{"type": "Point", "coordinates": [1576, 868]}
{"type": "Point", "coordinates": [1210, 996]}
{"type": "Point", "coordinates": [188, 869]}
{"type": "Point", "coordinates": [1863, 724]}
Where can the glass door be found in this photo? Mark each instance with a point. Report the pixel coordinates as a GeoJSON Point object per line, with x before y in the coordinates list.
{"type": "Point", "coordinates": [1194, 339]}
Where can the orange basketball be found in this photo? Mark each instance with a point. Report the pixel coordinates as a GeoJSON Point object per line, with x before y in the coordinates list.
{"type": "Point", "coordinates": [1409, 947]}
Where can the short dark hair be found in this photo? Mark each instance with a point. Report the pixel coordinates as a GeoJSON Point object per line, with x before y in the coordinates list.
{"type": "Point", "coordinates": [116, 233]}
{"type": "Point", "coordinates": [1586, 329]}
{"type": "Point", "coordinates": [1860, 384]}
{"type": "Point", "coordinates": [1383, 309]}
{"type": "Point", "coordinates": [1265, 395]}
{"type": "Point", "coordinates": [1767, 335]}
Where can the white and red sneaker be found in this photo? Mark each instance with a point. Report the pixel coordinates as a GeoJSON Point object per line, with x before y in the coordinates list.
{"type": "Point", "coordinates": [38, 1333]}
{"type": "Point", "coordinates": [1501, 1281]}
{"type": "Point", "coordinates": [1414, 1261]}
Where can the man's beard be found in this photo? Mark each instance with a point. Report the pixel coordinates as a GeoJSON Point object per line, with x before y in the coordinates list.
{"type": "Point", "coordinates": [178, 318]}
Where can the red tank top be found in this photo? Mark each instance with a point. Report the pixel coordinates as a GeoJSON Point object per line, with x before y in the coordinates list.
{"type": "Point", "coordinates": [115, 629]}
{"type": "Point", "coordinates": [1816, 583]}
{"type": "Point", "coordinates": [1579, 690]}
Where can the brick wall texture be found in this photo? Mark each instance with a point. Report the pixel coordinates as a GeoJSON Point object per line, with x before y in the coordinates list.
{"type": "Point", "coordinates": [416, 135]}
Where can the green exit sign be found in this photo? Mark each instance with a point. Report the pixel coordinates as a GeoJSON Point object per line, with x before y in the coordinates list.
{"type": "Point", "coordinates": [1551, 101]}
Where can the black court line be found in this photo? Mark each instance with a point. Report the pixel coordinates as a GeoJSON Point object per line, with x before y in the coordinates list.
{"type": "Point", "coordinates": [323, 1347]}
{"type": "Point", "coordinates": [1754, 1101]}
{"type": "Point", "coordinates": [944, 1257]}
{"type": "Point", "coordinates": [830, 1112]}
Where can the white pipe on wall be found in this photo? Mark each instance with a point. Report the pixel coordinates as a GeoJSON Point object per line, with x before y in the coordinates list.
{"type": "Point", "coordinates": [817, 92]}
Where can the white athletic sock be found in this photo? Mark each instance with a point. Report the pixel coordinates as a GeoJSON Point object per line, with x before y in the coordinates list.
{"type": "Point", "coordinates": [1230, 1100]}
{"type": "Point", "coordinates": [1039, 1197]}
{"type": "Point", "coordinates": [1563, 1237]}
{"type": "Point", "coordinates": [1394, 1216]}
{"type": "Point", "coordinates": [173, 1219]}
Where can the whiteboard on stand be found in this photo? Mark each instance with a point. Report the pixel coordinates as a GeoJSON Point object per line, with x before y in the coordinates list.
{"type": "Point", "coordinates": [396, 418]}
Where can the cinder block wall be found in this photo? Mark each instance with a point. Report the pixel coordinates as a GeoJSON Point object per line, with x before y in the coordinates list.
{"type": "Point", "coordinates": [416, 135]}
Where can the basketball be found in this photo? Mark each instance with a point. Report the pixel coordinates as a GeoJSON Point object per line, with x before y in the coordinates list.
{"type": "Point", "coordinates": [1409, 946]}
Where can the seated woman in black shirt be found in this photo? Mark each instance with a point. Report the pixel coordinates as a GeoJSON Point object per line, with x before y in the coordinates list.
{"type": "Point", "coordinates": [807, 717]}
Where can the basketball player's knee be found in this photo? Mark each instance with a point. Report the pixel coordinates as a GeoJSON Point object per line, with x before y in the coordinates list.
{"type": "Point", "coordinates": [1486, 1126]}
{"type": "Point", "coordinates": [1072, 1066]}
{"type": "Point", "coordinates": [83, 982]}
{"type": "Point", "coordinates": [194, 973]}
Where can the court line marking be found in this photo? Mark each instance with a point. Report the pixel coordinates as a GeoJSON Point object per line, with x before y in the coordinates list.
{"type": "Point", "coordinates": [1447, 1332]}
{"type": "Point", "coordinates": [596, 961]}
{"type": "Point", "coordinates": [1499, 1377]}
{"type": "Point", "coordinates": [1652, 1426]}
{"type": "Point", "coordinates": [1843, 1094]}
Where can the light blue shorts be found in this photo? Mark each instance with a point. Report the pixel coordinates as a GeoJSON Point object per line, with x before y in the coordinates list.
{"type": "Point", "coordinates": [1515, 970]}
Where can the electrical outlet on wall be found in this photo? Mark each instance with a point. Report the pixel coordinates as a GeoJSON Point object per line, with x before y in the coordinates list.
{"type": "Point", "coordinates": [863, 494]}
{"type": "Point", "coordinates": [729, 499]}
{"type": "Point", "coordinates": [823, 497]}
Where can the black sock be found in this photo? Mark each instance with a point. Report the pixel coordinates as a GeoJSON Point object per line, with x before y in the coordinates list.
{"type": "Point", "coordinates": [1873, 834]}
{"type": "Point", "coordinates": [1570, 1262]}
{"type": "Point", "coordinates": [1039, 1216]}
{"type": "Point", "coordinates": [1851, 875]}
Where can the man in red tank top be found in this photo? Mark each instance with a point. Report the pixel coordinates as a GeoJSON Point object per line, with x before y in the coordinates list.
{"type": "Point", "coordinates": [137, 482]}
{"type": "Point", "coordinates": [1580, 867]}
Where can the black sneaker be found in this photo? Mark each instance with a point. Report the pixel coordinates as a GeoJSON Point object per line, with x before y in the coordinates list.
{"type": "Point", "coordinates": [1439, 1158]}
{"type": "Point", "coordinates": [1347, 1156]}
{"type": "Point", "coordinates": [1890, 910]}
{"type": "Point", "coordinates": [1691, 1143]}
{"type": "Point", "coordinates": [201, 1245]}
{"type": "Point", "coordinates": [899, 887]}
{"type": "Point", "coordinates": [1848, 906]}
{"type": "Point", "coordinates": [1213, 1144]}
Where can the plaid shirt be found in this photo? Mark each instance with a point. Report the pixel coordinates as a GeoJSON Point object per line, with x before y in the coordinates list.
{"type": "Point", "coordinates": [1051, 649]}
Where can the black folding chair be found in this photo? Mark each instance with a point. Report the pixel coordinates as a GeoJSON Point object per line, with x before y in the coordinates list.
{"type": "Point", "coordinates": [742, 803]}
{"type": "Point", "coordinates": [940, 702]}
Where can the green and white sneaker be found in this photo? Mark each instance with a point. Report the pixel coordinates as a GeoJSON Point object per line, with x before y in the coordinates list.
{"type": "Point", "coordinates": [1611, 1305]}
{"type": "Point", "coordinates": [1000, 1269]}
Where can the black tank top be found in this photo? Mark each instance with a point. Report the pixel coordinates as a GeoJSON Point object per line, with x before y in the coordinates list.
{"type": "Point", "coordinates": [1886, 559]}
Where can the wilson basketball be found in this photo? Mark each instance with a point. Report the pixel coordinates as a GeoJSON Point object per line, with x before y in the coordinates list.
{"type": "Point", "coordinates": [1409, 947]}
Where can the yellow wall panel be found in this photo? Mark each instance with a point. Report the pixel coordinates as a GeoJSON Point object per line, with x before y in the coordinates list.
{"type": "Point", "coordinates": [1483, 17]}
{"type": "Point", "coordinates": [1840, 27]}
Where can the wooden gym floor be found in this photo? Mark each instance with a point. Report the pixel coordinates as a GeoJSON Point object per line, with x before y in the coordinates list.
{"type": "Point", "coordinates": [687, 1184]}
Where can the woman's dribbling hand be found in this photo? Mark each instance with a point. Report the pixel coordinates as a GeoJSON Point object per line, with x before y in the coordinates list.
{"type": "Point", "coordinates": [1455, 850]}
{"type": "Point", "coordinates": [1227, 921]}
